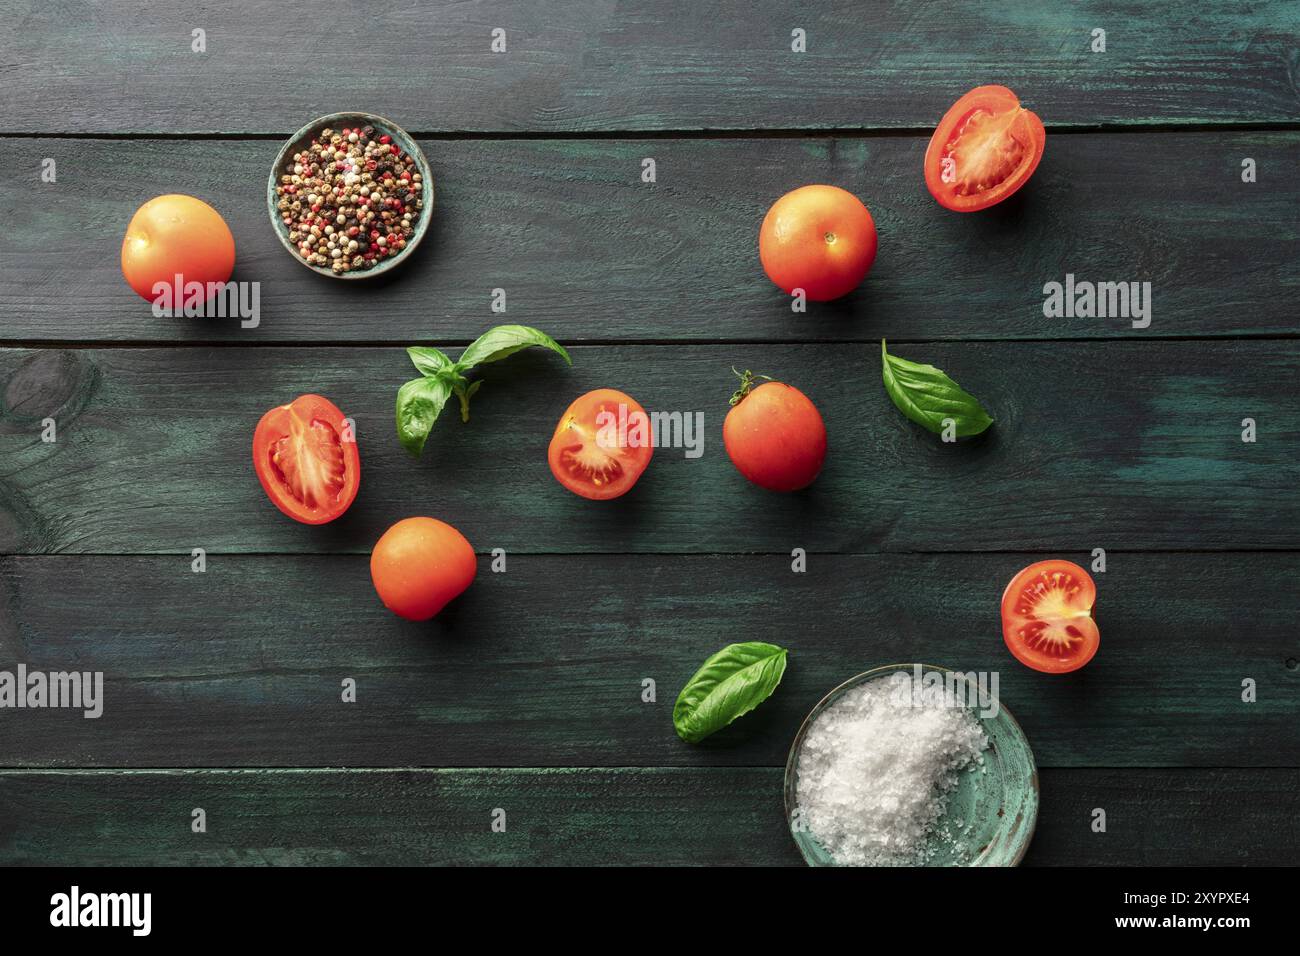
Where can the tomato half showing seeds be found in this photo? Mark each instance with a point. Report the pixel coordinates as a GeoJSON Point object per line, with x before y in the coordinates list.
{"type": "Point", "coordinates": [420, 565]}
{"type": "Point", "coordinates": [1047, 617]}
{"type": "Point", "coordinates": [984, 149]}
{"type": "Point", "coordinates": [601, 445]}
{"type": "Point", "coordinates": [774, 435]}
{"type": "Point", "coordinates": [820, 239]}
{"type": "Point", "coordinates": [306, 458]}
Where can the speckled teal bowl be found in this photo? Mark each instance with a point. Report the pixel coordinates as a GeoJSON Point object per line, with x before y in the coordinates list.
{"type": "Point", "coordinates": [1000, 803]}
{"type": "Point", "coordinates": [335, 120]}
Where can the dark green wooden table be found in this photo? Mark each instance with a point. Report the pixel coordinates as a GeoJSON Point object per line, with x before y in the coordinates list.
{"type": "Point", "coordinates": [223, 688]}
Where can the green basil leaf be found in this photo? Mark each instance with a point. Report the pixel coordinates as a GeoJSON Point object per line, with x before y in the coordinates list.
{"type": "Point", "coordinates": [505, 340]}
{"type": "Point", "coordinates": [428, 360]}
{"type": "Point", "coordinates": [927, 396]}
{"type": "Point", "coordinates": [730, 684]}
{"type": "Point", "coordinates": [419, 402]}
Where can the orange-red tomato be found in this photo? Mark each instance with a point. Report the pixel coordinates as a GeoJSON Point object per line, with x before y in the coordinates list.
{"type": "Point", "coordinates": [420, 565]}
{"type": "Point", "coordinates": [306, 458]}
{"type": "Point", "coordinates": [176, 235]}
{"type": "Point", "coordinates": [984, 149]}
{"type": "Point", "coordinates": [820, 239]}
{"type": "Point", "coordinates": [1047, 617]}
{"type": "Point", "coordinates": [601, 445]}
{"type": "Point", "coordinates": [775, 436]}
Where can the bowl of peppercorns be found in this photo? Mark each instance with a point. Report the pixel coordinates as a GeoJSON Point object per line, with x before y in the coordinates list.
{"type": "Point", "coordinates": [350, 195]}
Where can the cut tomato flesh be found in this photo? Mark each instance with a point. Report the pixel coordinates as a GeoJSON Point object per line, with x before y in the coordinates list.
{"type": "Point", "coordinates": [983, 150]}
{"type": "Point", "coordinates": [986, 150]}
{"type": "Point", "coordinates": [309, 462]}
{"type": "Point", "coordinates": [601, 445]}
{"type": "Point", "coordinates": [589, 463]}
{"type": "Point", "coordinates": [306, 459]}
{"type": "Point", "coordinates": [1047, 618]}
{"type": "Point", "coordinates": [1049, 622]}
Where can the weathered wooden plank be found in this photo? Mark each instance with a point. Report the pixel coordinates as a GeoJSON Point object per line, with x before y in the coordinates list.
{"type": "Point", "coordinates": [1168, 818]}
{"type": "Point", "coordinates": [641, 816]}
{"type": "Point", "coordinates": [1122, 445]}
{"type": "Point", "coordinates": [669, 64]}
{"type": "Point", "coordinates": [543, 665]}
{"type": "Point", "coordinates": [588, 252]}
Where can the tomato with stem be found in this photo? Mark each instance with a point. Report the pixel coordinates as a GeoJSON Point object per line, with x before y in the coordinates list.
{"type": "Point", "coordinates": [1047, 618]}
{"type": "Point", "coordinates": [984, 149]}
{"type": "Point", "coordinates": [774, 434]}
{"type": "Point", "coordinates": [305, 455]}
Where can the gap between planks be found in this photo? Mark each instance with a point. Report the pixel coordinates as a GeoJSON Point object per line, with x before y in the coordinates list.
{"type": "Point", "coordinates": [14, 771]}
{"type": "Point", "coordinates": [656, 555]}
{"type": "Point", "coordinates": [833, 132]}
{"type": "Point", "coordinates": [105, 344]}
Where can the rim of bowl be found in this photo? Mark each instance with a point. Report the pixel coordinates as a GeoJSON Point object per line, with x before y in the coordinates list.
{"type": "Point", "coordinates": [791, 762]}
{"type": "Point", "coordinates": [411, 147]}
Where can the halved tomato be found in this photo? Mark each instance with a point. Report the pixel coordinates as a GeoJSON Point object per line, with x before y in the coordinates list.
{"type": "Point", "coordinates": [1047, 617]}
{"type": "Point", "coordinates": [305, 455]}
{"type": "Point", "coordinates": [601, 445]}
{"type": "Point", "coordinates": [983, 150]}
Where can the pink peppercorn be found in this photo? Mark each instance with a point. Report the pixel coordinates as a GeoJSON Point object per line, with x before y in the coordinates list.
{"type": "Point", "coordinates": [335, 169]}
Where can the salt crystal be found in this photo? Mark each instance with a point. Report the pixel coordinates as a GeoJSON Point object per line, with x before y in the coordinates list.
{"type": "Point", "coordinates": [876, 769]}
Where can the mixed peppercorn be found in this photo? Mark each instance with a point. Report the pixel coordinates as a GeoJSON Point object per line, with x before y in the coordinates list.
{"type": "Point", "coordinates": [350, 199]}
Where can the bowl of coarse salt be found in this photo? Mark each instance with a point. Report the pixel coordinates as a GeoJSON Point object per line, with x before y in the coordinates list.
{"type": "Point", "coordinates": [911, 765]}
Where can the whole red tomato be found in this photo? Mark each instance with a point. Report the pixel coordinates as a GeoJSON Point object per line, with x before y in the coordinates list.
{"type": "Point", "coordinates": [420, 565]}
{"type": "Point", "coordinates": [176, 235]}
{"type": "Point", "coordinates": [820, 239]}
{"type": "Point", "coordinates": [774, 435]}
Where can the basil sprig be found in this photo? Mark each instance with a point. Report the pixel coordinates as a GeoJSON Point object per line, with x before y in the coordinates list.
{"type": "Point", "coordinates": [929, 397]}
{"type": "Point", "coordinates": [728, 685]}
{"type": "Point", "coordinates": [421, 400]}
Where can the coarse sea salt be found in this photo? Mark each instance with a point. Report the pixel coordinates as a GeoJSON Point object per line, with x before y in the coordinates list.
{"type": "Point", "coordinates": [877, 766]}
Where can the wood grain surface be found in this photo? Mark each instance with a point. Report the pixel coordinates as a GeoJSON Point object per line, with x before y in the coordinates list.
{"type": "Point", "coordinates": [222, 689]}
{"type": "Point", "coordinates": [720, 817]}
{"type": "Point", "coordinates": [587, 252]}
{"type": "Point", "coordinates": [543, 665]}
{"type": "Point", "coordinates": [80, 67]}
{"type": "Point", "coordinates": [1132, 445]}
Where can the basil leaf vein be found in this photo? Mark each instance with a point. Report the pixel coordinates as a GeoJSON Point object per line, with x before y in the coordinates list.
{"type": "Point", "coordinates": [419, 403]}
{"type": "Point", "coordinates": [728, 685]}
{"type": "Point", "coordinates": [505, 340]}
{"type": "Point", "coordinates": [928, 396]}
{"type": "Point", "coordinates": [428, 359]}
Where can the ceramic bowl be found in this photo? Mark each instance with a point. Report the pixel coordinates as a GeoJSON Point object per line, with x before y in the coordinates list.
{"type": "Point", "coordinates": [993, 808]}
{"type": "Point", "coordinates": [304, 136]}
